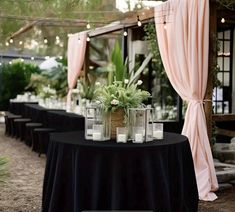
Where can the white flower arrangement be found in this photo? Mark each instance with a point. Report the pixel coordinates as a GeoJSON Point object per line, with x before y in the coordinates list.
{"type": "Point", "coordinates": [120, 95]}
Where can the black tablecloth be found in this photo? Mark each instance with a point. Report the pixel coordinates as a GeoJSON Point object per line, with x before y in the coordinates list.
{"type": "Point", "coordinates": [64, 121]}
{"type": "Point", "coordinates": [38, 113]}
{"type": "Point", "coordinates": [18, 107]}
{"type": "Point", "coordinates": [87, 175]}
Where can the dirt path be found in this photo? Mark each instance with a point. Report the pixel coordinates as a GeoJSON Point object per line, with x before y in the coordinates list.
{"type": "Point", "coordinates": [23, 190]}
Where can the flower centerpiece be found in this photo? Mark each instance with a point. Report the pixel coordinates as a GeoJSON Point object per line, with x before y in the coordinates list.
{"type": "Point", "coordinates": [120, 95]}
{"type": "Point", "coordinates": [121, 91]}
{"type": "Point", "coordinates": [117, 97]}
{"type": "Point", "coordinates": [47, 92]}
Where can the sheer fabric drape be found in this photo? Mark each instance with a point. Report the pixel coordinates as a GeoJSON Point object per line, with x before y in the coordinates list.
{"type": "Point", "coordinates": [76, 54]}
{"type": "Point", "coordinates": [182, 28]}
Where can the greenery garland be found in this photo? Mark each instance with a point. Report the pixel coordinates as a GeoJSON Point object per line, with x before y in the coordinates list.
{"type": "Point", "coordinates": [229, 4]}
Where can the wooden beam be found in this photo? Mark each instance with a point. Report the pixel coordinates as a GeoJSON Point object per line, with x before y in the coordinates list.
{"type": "Point", "coordinates": [228, 133]}
{"type": "Point", "coordinates": [212, 59]}
{"type": "Point", "coordinates": [223, 117]}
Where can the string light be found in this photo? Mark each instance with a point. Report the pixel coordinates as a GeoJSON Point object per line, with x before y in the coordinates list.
{"type": "Point", "coordinates": [88, 39]}
{"type": "Point", "coordinates": [22, 60]}
{"type": "Point", "coordinates": [7, 44]}
{"type": "Point", "coordinates": [45, 40]}
{"type": "Point", "coordinates": [223, 20]}
{"type": "Point", "coordinates": [11, 40]}
{"type": "Point", "coordinates": [60, 57]}
{"type": "Point", "coordinates": [88, 26]}
{"type": "Point", "coordinates": [138, 21]}
{"type": "Point", "coordinates": [164, 23]}
{"type": "Point", "coordinates": [57, 37]}
{"type": "Point", "coordinates": [10, 62]}
{"type": "Point", "coordinates": [32, 58]}
{"type": "Point", "coordinates": [20, 42]}
{"type": "Point", "coordinates": [139, 6]}
{"type": "Point", "coordinates": [125, 32]}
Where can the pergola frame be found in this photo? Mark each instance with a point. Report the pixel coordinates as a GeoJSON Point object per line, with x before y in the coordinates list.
{"type": "Point", "coordinates": [148, 15]}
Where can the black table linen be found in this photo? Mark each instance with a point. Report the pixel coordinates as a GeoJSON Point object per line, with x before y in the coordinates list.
{"type": "Point", "coordinates": [87, 175]}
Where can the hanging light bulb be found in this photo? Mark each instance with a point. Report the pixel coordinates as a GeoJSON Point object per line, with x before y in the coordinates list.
{"type": "Point", "coordinates": [88, 26]}
{"type": "Point", "coordinates": [125, 32]}
{"type": "Point", "coordinates": [138, 21]}
{"type": "Point", "coordinates": [164, 23]}
{"type": "Point", "coordinates": [223, 20]}
{"type": "Point", "coordinates": [88, 39]}
{"type": "Point", "coordinates": [57, 37]}
{"type": "Point", "coordinates": [139, 6]}
{"type": "Point", "coordinates": [20, 42]}
{"type": "Point", "coordinates": [11, 40]}
{"type": "Point", "coordinates": [7, 44]}
{"type": "Point", "coordinates": [45, 40]}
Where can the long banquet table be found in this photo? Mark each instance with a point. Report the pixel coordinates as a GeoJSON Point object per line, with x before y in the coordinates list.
{"type": "Point", "coordinates": [84, 175]}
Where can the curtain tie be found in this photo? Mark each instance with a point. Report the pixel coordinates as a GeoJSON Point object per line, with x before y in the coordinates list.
{"type": "Point", "coordinates": [198, 101]}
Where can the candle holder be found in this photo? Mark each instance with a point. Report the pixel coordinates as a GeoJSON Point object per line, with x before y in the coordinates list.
{"type": "Point", "coordinates": [122, 134]}
{"type": "Point", "coordinates": [97, 124]}
{"type": "Point", "coordinates": [140, 124]}
{"type": "Point", "coordinates": [158, 130]}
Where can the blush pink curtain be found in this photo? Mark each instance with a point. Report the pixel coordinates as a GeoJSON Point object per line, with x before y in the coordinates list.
{"type": "Point", "coordinates": [184, 43]}
{"type": "Point", "coordinates": [76, 54]}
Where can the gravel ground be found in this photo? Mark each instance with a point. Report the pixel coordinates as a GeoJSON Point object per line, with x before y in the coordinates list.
{"type": "Point", "coordinates": [22, 191]}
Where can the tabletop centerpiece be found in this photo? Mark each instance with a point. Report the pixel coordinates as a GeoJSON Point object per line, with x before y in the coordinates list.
{"type": "Point", "coordinates": [122, 90]}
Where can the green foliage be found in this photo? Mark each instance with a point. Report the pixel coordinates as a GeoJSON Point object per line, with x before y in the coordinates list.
{"type": "Point", "coordinates": [3, 169]}
{"type": "Point", "coordinates": [14, 79]}
{"type": "Point", "coordinates": [120, 95]}
{"type": "Point", "coordinates": [58, 78]}
{"type": "Point", "coordinates": [150, 36]}
{"type": "Point", "coordinates": [117, 61]}
{"type": "Point", "coordinates": [229, 4]}
{"type": "Point", "coordinates": [215, 67]}
{"type": "Point", "coordinates": [87, 89]}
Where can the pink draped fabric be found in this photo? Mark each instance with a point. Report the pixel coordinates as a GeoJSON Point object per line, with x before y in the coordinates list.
{"type": "Point", "coordinates": [76, 54]}
{"type": "Point", "coordinates": [184, 43]}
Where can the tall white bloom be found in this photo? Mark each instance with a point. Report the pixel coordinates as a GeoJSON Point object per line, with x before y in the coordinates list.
{"type": "Point", "coordinates": [139, 82]}
{"type": "Point", "coordinates": [114, 102]}
{"type": "Point", "coordinates": [126, 81]}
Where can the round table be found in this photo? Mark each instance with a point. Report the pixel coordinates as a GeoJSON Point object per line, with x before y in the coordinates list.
{"type": "Point", "coordinates": [91, 175]}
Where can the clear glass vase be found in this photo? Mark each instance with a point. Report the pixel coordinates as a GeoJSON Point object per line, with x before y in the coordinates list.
{"type": "Point", "coordinates": [140, 124]}
{"type": "Point", "coordinates": [97, 124]}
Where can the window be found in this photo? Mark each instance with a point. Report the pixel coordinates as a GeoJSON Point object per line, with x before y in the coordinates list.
{"type": "Point", "coordinates": [222, 95]}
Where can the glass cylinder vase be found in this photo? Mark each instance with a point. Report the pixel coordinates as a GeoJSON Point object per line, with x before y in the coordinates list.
{"type": "Point", "coordinates": [140, 124]}
{"type": "Point", "coordinates": [97, 124]}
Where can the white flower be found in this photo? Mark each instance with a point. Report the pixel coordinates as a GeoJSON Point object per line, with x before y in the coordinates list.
{"type": "Point", "coordinates": [114, 102]}
{"type": "Point", "coordinates": [97, 83]}
{"type": "Point", "coordinates": [139, 82]}
{"type": "Point", "coordinates": [126, 81]}
{"type": "Point", "coordinates": [75, 91]}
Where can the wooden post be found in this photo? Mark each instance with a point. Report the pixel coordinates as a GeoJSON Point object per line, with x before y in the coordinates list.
{"type": "Point", "coordinates": [212, 59]}
{"type": "Point", "coordinates": [86, 62]}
